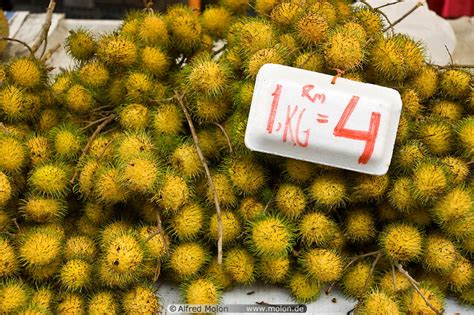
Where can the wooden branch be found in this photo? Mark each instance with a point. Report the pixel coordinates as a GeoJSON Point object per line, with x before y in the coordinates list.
{"type": "Point", "coordinates": [86, 149]}
{"type": "Point", "coordinates": [18, 41]}
{"type": "Point", "coordinates": [415, 285]}
{"type": "Point", "coordinates": [453, 66]}
{"type": "Point", "coordinates": [226, 137]}
{"type": "Point", "coordinates": [159, 230]}
{"type": "Point", "coordinates": [208, 174]}
{"type": "Point", "coordinates": [50, 52]}
{"type": "Point", "coordinates": [372, 269]}
{"type": "Point", "coordinates": [386, 5]}
{"type": "Point", "coordinates": [45, 28]}
{"type": "Point", "coordinates": [416, 6]}
{"type": "Point", "coordinates": [394, 279]}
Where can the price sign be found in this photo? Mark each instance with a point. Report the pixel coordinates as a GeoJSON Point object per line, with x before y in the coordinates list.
{"type": "Point", "coordinates": [305, 115]}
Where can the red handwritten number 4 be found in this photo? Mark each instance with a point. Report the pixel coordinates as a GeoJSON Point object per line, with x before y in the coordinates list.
{"type": "Point", "coordinates": [368, 136]}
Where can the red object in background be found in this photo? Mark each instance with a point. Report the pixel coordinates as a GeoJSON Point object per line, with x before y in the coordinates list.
{"type": "Point", "coordinates": [452, 8]}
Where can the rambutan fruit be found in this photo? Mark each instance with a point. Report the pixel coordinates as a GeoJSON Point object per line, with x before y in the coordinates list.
{"type": "Point", "coordinates": [461, 276]}
{"type": "Point", "coordinates": [425, 82]}
{"type": "Point", "coordinates": [139, 86]}
{"type": "Point", "coordinates": [185, 29]}
{"type": "Point", "coordinates": [387, 285]}
{"type": "Point", "coordinates": [458, 167]}
{"type": "Point", "coordinates": [113, 230]}
{"type": "Point", "coordinates": [103, 302]}
{"type": "Point", "coordinates": [97, 213]}
{"type": "Point", "coordinates": [404, 129]}
{"type": "Point", "coordinates": [13, 152]}
{"type": "Point", "coordinates": [188, 223]}
{"type": "Point", "coordinates": [411, 103]}
{"type": "Point", "coordinates": [413, 52]}
{"type": "Point", "coordinates": [261, 57]}
{"type": "Point", "coordinates": [400, 195]}
{"type": "Point", "coordinates": [408, 155]}
{"type": "Point", "coordinates": [6, 189]}
{"type": "Point", "coordinates": [430, 180]}
{"type": "Point", "coordinates": [201, 291]}
{"type": "Point", "coordinates": [186, 160]}
{"type": "Point", "coordinates": [133, 143]}
{"type": "Point", "coordinates": [82, 247]}
{"type": "Point", "coordinates": [86, 178]}
{"type": "Point", "coordinates": [357, 280]}
{"type": "Point", "coordinates": [413, 303]}
{"type": "Point", "coordinates": [371, 21]}
{"type": "Point", "coordinates": [116, 50]}
{"type": "Point", "coordinates": [265, 7]}
{"type": "Point", "coordinates": [316, 228]}
{"type": "Point", "coordinates": [436, 134]}
{"type": "Point", "coordinates": [43, 297]}
{"type": "Point", "coordinates": [47, 119]}
{"type": "Point", "coordinates": [273, 270]}
{"type": "Point", "coordinates": [311, 60]}
{"type": "Point", "coordinates": [41, 209]}
{"type": "Point", "coordinates": [216, 20]}
{"type": "Point", "coordinates": [231, 227]}
{"type": "Point", "coordinates": [39, 149]}
{"type": "Point", "coordinates": [285, 13]}
{"type": "Point", "coordinates": [270, 236]}
{"type": "Point", "coordinates": [8, 261]}
{"type": "Point", "coordinates": [187, 259]}
{"type": "Point", "coordinates": [387, 59]}
{"type": "Point", "coordinates": [235, 6]}
{"type": "Point", "coordinates": [78, 99]}
{"type": "Point", "coordinates": [360, 226]}
{"type": "Point", "coordinates": [167, 119]}
{"type": "Point", "coordinates": [343, 50]}
{"type": "Point", "coordinates": [290, 200]}
{"type": "Point", "coordinates": [94, 74]}
{"type": "Point", "coordinates": [322, 265]}
{"type": "Point", "coordinates": [140, 174]}
{"type": "Point", "coordinates": [141, 299]}
{"type": "Point", "coordinates": [223, 188]}
{"type": "Point", "coordinates": [13, 102]}
{"type": "Point", "coordinates": [254, 35]}
{"type": "Point", "coordinates": [246, 174]}
{"type": "Point", "coordinates": [27, 72]}
{"type": "Point", "coordinates": [311, 28]}
{"type": "Point", "coordinates": [299, 171]}
{"type": "Point", "coordinates": [465, 137]}
{"type": "Point", "coordinates": [211, 109]}
{"type": "Point", "coordinates": [75, 275]}
{"type": "Point", "coordinates": [67, 141]}
{"type": "Point", "coordinates": [369, 187]}
{"type": "Point", "coordinates": [81, 44]}
{"type": "Point", "coordinates": [218, 274]}
{"type": "Point", "coordinates": [302, 288]}
{"type": "Point", "coordinates": [42, 274]}
{"type": "Point", "coordinates": [108, 187]}
{"type": "Point", "coordinates": [460, 228]}
{"type": "Point", "coordinates": [250, 208]}
{"type": "Point", "coordinates": [50, 179]}
{"type": "Point", "coordinates": [39, 247]}
{"type": "Point", "coordinates": [14, 294]}
{"type": "Point", "coordinates": [455, 83]}
{"type": "Point", "coordinates": [466, 296]}
{"type": "Point", "coordinates": [454, 205]}
{"type": "Point", "coordinates": [207, 77]}
{"type": "Point", "coordinates": [153, 30]}
{"type": "Point", "coordinates": [155, 60]}
{"type": "Point", "coordinates": [240, 265]}
{"type": "Point", "coordinates": [70, 303]}
{"type": "Point", "coordinates": [329, 190]}
{"type": "Point", "coordinates": [155, 247]}
{"type": "Point", "coordinates": [448, 110]}
{"type": "Point", "coordinates": [174, 193]}
{"type": "Point", "coordinates": [401, 242]}
{"type": "Point", "coordinates": [377, 302]}
{"type": "Point", "coordinates": [440, 253]}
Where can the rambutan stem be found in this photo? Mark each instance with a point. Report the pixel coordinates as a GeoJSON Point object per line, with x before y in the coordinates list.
{"type": "Point", "coordinates": [372, 269]}
{"type": "Point", "coordinates": [379, 12]}
{"type": "Point", "coordinates": [50, 52]}
{"type": "Point", "coordinates": [18, 41]}
{"type": "Point", "coordinates": [416, 6]}
{"type": "Point", "coordinates": [415, 284]}
{"type": "Point", "coordinates": [86, 149]}
{"type": "Point", "coordinates": [208, 174]}
{"type": "Point", "coordinates": [159, 230]}
{"type": "Point", "coordinates": [386, 5]}
{"type": "Point", "coordinates": [4, 129]}
{"type": "Point", "coordinates": [226, 137]}
{"type": "Point", "coordinates": [45, 28]}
